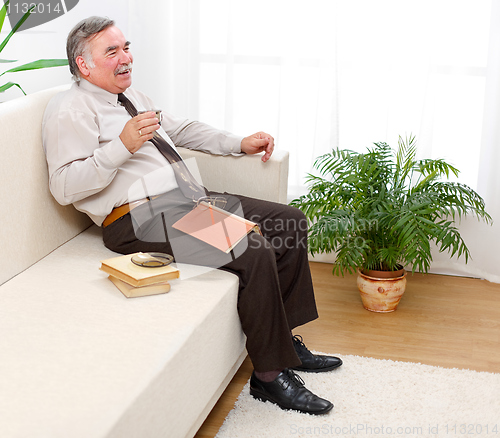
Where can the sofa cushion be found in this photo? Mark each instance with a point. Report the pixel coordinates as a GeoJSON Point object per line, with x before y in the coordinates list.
{"type": "Point", "coordinates": [79, 359]}
{"type": "Point", "coordinates": [33, 223]}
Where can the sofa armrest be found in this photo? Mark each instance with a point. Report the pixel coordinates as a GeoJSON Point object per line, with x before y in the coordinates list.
{"type": "Point", "coordinates": [243, 175]}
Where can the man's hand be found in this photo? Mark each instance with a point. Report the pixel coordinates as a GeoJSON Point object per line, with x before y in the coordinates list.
{"type": "Point", "coordinates": [260, 142]}
{"type": "Point", "coordinates": [138, 130]}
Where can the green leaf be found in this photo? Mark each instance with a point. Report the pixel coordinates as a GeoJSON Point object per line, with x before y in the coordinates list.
{"type": "Point", "coordinates": [16, 27]}
{"type": "Point", "coordinates": [3, 13]}
{"type": "Point", "coordinates": [10, 85]}
{"type": "Point", "coordinates": [35, 65]}
{"type": "Point", "coordinates": [5, 61]}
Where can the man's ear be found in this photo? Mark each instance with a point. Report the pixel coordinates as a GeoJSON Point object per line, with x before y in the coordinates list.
{"type": "Point", "coordinates": [82, 66]}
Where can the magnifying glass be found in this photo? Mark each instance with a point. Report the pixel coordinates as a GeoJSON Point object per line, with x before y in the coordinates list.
{"type": "Point", "coordinates": [152, 259]}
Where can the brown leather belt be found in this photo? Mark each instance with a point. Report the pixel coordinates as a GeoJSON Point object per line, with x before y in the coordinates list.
{"type": "Point", "coordinates": [122, 210]}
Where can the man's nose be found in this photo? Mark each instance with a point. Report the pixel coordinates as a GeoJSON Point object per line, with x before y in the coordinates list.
{"type": "Point", "coordinates": [125, 57]}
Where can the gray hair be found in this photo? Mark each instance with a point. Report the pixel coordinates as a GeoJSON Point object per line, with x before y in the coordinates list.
{"type": "Point", "coordinates": [78, 40]}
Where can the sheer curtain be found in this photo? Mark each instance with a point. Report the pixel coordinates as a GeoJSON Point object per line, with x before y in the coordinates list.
{"type": "Point", "coordinates": [250, 66]}
{"type": "Point", "coordinates": [327, 73]}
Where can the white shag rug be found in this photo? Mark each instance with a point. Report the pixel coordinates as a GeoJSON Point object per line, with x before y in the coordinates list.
{"type": "Point", "coordinates": [380, 398]}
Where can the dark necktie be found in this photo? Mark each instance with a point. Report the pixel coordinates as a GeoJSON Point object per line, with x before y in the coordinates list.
{"type": "Point", "coordinates": [188, 185]}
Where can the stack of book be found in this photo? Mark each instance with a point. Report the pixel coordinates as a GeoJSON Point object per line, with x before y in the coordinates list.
{"type": "Point", "coordinates": [138, 281]}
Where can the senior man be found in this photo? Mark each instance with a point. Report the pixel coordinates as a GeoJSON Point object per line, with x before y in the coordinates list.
{"type": "Point", "coordinates": [101, 147]}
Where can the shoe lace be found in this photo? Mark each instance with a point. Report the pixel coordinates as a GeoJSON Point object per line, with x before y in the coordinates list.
{"type": "Point", "coordinates": [299, 343]}
{"type": "Point", "coordinates": [294, 380]}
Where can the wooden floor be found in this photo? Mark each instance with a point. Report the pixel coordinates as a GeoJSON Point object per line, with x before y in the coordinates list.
{"type": "Point", "coordinates": [453, 322]}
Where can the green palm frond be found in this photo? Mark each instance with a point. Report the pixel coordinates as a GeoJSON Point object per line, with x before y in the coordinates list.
{"type": "Point", "coordinates": [8, 85]}
{"type": "Point", "coordinates": [3, 14]}
{"type": "Point", "coordinates": [36, 65]}
{"type": "Point", "coordinates": [15, 27]}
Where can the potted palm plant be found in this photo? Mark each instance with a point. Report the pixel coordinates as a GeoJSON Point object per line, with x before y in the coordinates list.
{"type": "Point", "coordinates": [380, 210]}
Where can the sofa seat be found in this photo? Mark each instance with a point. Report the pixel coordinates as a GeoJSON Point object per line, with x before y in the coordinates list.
{"type": "Point", "coordinates": [89, 362]}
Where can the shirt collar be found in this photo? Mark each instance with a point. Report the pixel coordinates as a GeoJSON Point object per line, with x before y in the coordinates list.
{"type": "Point", "coordinates": [98, 91]}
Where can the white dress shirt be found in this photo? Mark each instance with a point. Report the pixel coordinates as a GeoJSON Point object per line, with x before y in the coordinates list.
{"type": "Point", "coordinates": [90, 167]}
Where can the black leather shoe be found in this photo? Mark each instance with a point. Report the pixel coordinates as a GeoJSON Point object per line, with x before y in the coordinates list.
{"type": "Point", "coordinates": [313, 363]}
{"type": "Point", "coordinates": [288, 392]}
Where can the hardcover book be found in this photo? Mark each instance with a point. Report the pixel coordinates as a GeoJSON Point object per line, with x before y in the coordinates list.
{"type": "Point", "coordinates": [133, 292]}
{"type": "Point", "coordinates": [124, 269]}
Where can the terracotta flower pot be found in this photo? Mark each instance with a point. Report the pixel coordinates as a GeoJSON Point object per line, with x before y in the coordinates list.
{"type": "Point", "coordinates": [381, 291]}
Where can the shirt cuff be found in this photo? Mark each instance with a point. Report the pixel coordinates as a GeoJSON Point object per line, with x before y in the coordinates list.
{"type": "Point", "coordinates": [116, 152]}
{"type": "Point", "coordinates": [232, 145]}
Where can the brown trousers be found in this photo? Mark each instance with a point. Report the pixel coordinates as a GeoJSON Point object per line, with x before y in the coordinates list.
{"type": "Point", "coordinates": [275, 286]}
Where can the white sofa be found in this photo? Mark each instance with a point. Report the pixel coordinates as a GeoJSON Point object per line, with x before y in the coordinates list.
{"type": "Point", "coordinates": [77, 358]}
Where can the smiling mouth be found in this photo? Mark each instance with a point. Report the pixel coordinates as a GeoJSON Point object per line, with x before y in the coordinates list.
{"type": "Point", "coordinates": [124, 70]}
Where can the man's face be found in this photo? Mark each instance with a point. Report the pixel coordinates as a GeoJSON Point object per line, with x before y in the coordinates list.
{"type": "Point", "coordinates": [112, 68]}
